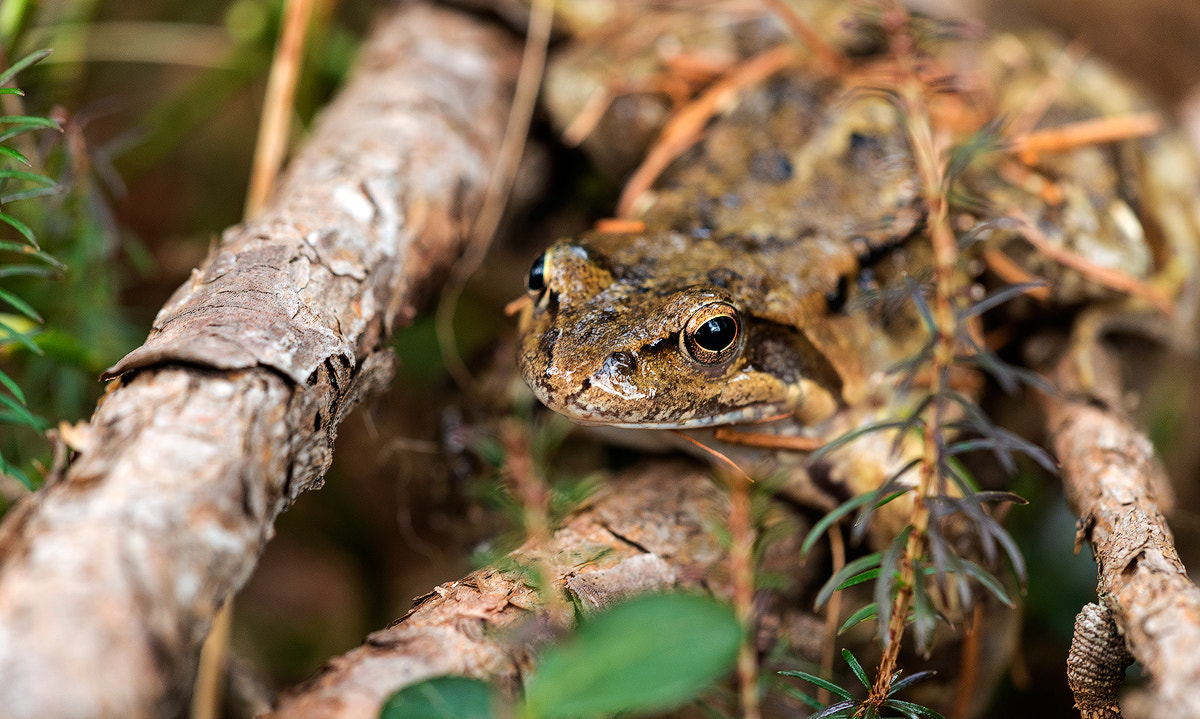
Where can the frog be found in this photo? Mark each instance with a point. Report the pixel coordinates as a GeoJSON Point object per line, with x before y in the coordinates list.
{"type": "Point", "coordinates": [775, 273]}
{"type": "Point", "coordinates": [762, 293]}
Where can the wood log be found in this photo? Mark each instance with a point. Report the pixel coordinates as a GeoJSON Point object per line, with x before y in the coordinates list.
{"type": "Point", "coordinates": [111, 573]}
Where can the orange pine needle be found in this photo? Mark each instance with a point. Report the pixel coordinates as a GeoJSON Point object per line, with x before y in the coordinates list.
{"type": "Point", "coordinates": [738, 471]}
{"type": "Point", "coordinates": [620, 226]}
{"type": "Point", "coordinates": [1009, 271]}
{"type": "Point", "coordinates": [832, 59]}
{"type": "Point", "coordinates": [686, 126]}
{"type": "Point", "coordinates": [768, 440]}
{"type": "Point", "coordinates": [1085, 132]}
{"type": "Point", "coordinates": [1108, 277]}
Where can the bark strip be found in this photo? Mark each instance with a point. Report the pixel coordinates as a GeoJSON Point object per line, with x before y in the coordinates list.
{"type": "Point", "coordinates": [111, 573]}
{"type": "Point", "coordinates": [1117, 485]}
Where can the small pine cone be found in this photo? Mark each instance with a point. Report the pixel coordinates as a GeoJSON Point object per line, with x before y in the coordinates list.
{"type": "Point", "coordinates": [1096, 663]}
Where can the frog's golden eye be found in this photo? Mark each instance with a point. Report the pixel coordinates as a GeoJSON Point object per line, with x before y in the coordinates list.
{"type": "Point", "coordinates": [535, 281]}
{"type": "Point", "coordinates": [712, 334]}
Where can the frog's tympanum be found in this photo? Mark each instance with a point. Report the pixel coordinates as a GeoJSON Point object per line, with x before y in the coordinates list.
{"type": "Point", "coordinates": [775, 271]}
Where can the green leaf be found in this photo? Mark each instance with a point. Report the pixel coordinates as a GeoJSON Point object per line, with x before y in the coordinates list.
{"type": "Point", "coordinates": [23, 63]}
{"type": "Point", "coordinates": [910, 680]}
{"type": "Point", "coordinates": [912, 709]}
{"type": "Point", "coordinates": [27, 176]}
{"type": "Point", "coordinates": [23, 249]}
{"type": "Point", "coordinates": [856, 668]}
{"type": "Point", "coordinates": [20, 305]}
{"type": "Point", "coordinates": [12, 386]}
{"type": "Point", "coordinates": [8, 331]}
{"type": "Point", "coordinates": [14, 155]}
{"type": "Point", "coordinates": [834, 710]}
{"type": "Point", "coordinates": [19, 226]}
{"type": "Point", "coordinates": [868, 612]}
{"type": "Point", "coordinates": [869, 561]}
{"type": "Point", "coordinates": [822, 683]}
{"type": "Point", "coordinates": [25, 271]}
{"type": "Point", "coordinates": [440, 698]}
{"type": "Point", "coordinates": [31, 120]}
{"type": "Point", "coordinates": [646, 655]}
{"type": "Point", "coordinates": [989, 581]}
{"type": "Point", "coordinates": [830, 519]}
{"type": "Point", "coordinates": [11, 91]}
{"type": "Point", "coordinates": [19, 415]}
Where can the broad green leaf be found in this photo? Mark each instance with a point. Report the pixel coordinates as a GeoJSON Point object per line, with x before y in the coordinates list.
{"type": "Point", "coordinates": [440, 698]}
{"type": "Point", "coordinates": [646, 655]}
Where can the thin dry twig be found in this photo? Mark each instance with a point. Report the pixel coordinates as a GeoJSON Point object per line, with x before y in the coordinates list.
{"type": "Point", "coordinates": [278, 104]}
{"type": "Point", "coordinates": [1112, 278]}
{"type": "Point", "coordinates": [500, 184]}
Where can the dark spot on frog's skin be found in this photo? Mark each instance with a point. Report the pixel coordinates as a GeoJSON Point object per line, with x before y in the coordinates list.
{"type": "Point", "coordinates": [546, 343]}
{"type": "Point", "coordinates": [722, 277]}
{"type": "Point", "coordinates": [771, 166]}
{"type": "Point", "coordinates": [835, 299]}
{"type": "Point", "coordinates": [585, 385]}
{"type": "Point", "coordinates": [820, 473]}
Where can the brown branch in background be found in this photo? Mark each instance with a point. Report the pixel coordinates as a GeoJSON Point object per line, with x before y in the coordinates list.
{"type": "Point", "coordinates": [649, 529]}
{"type": "Point", "coordinates": [111, 573]}
{"type": "Point", "coordinates": [1117, 485]}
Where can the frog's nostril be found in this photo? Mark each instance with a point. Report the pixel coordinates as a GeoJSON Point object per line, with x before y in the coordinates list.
{"type": "Point", "coordinates": [620, 363]}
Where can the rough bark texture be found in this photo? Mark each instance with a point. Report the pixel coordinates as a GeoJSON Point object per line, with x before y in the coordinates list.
{"type": "Point", "coordinates": [1117, 484]}
{"type": "Point", "coordinates": [110, 575]}
{"type": "Point", "coordinates": [650, 529]}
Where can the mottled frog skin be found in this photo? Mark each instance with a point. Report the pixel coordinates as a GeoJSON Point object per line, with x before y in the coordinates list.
{"type": "Point", "coordinates": [745, 298]}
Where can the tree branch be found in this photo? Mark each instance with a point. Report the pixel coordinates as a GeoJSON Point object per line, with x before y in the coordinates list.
{"type": "Point", "coordinates": [111, 573]}
{"type": "Point", "coordinates": [649, 529]}
{"type": "Point", "coordinates": [1116, 483]}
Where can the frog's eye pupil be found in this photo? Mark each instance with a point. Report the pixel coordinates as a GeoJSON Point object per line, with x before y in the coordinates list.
{"type": "Point", "coordinates": [712, 336]}
{"type": "Point", "coordinates": [535, 281]}
{"type": "Point", "coordinates": [717, 334]}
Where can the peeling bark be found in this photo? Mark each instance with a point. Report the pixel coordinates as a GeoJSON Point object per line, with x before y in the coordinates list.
{"type": "Point", "coordinates": [1117, 485]}
{"type": "Point", "coordinates": [111, 573]}
{"type": "Point", "coordinates": [649, 529]}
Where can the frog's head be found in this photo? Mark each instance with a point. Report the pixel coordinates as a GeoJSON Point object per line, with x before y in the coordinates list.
{"type": "Point", "coordinates": [643, 344]}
